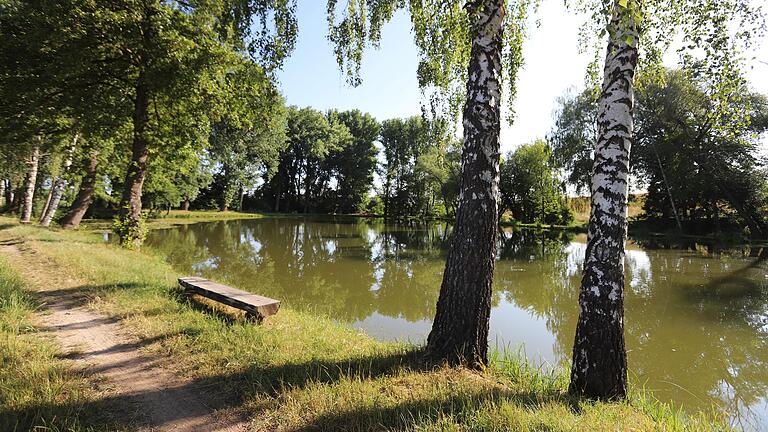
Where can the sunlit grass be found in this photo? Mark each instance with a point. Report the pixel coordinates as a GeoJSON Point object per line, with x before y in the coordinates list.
{"type": "Point", "coordinates": [206, 214]}
{"type": "Point", "coordinates": [305, 371]}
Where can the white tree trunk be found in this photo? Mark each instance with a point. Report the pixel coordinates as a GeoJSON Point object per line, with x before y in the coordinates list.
{"type": "Point", "coordinates": [57, 190]}
{"type": "Point", "coordinates": [599, 368]}
{"type": "Point", "coordinates": [29, 184]}
{"type": "Point", "coordinates": [2, 191]}
{"type": "Point", "coordinates": [10, 194]}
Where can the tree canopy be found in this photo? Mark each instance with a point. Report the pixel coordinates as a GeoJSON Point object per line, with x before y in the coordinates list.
{"type": "Point", "coordinates": [530, 187]}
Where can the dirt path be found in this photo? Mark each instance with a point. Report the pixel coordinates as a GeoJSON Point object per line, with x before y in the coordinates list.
{"type": "Point", "coordinates": [154, 398]}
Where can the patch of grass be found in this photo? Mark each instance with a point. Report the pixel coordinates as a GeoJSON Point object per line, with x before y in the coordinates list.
{"type": "Point", "coordinates": [37, 390]}
{"type": "Point", "coordinates": [169, 219]}
{"type": "Point", "coordinates": [206, 214]}
{"type": "Point", "coordinates": [306, 372]}
{"type": "Point", "coordinates": [183, 217]}
{"type": "Point", "coordinates": [581, 207]}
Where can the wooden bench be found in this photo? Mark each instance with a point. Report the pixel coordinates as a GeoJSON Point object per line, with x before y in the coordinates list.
{"type": "Point", "coordinates": [255, 306]}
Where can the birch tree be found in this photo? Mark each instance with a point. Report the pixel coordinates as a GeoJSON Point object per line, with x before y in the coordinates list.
{"type": "Point", "coordinates": [599, 367]}
{"type": "Point", "coordinates": [30, 182]}
{"type": "Point", "coordinates": [599, 358]}
{"type": "Point", "coordinates": [461, 325]}
{"type": "Point", "coordinates": [59, 183]}
{"type": "Point", "coordinates": [466, 49]}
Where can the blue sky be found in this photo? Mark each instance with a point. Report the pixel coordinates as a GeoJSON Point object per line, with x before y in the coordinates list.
{"type": "Point", "coordinates": [311, 77]}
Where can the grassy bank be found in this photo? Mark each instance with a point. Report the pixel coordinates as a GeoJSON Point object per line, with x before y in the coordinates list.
{"type": "Point", "coordinates": [304, 372]}
{"type": "Point", "coordinates": [174, 217]}
{"type": "Point", "coordinates": [206, 215]}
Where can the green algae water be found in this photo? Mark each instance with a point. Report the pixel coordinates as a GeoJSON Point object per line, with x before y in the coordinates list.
{"type": "Point", "coordinates": [696, 317]}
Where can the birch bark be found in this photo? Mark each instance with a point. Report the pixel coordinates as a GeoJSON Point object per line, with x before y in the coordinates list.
{"type": "Point", "coordinates": [58, 186]}
{"type": "Point", "coordinates": [29, 184]}
{"type": "Point", "coordinates": [599, 368]}
{"type": "Point", "coordinates": [460, 330]}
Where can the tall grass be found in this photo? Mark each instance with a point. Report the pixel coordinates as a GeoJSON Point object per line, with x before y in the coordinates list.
{"type": "Point", "coordinates": [37, 390]}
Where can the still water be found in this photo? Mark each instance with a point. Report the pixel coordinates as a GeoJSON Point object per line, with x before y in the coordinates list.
{"type": "Point", "coordinates": [696, 318]}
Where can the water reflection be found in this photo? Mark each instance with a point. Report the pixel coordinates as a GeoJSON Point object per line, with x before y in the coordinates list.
{"type": "Point", "coordinates": [696, 319]}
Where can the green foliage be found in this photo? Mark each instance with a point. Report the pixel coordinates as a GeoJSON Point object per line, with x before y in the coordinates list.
{"type": "Point", "coordinates": [441, 31]}
{"type": "Point", "coordinates": [246, 152]}
{"type": "Point", "coordinates": [84, 66]}
{"type": "Point", "coordinates": [421, 166]}
{"type": "Point", "coordinates": [306, 172]}
{"type": "Point", "coordinates": [573, 137]}
{"type": "Point", "coordinates": [440, 168]}
{"type": "Point", "coordinates": [530, 188]}
{"type": "Point", "coordinates": [712, 35]}
{"type": "Point", "coordinates": [131, 232]}
{"type": "Point", "coordinates": [709, 169]}
{"type": "Point", "coordinates": [684, 153]}
{"type": "Point", "coordinates": [175, 178]}
{"type": "Point", "coordinates": [355, 162]}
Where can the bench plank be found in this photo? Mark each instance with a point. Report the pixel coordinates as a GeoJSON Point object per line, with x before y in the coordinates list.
{"type": "Point", "coordinates": [256, 305]}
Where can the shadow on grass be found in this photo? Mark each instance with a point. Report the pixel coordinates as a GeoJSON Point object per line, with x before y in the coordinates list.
{"type": "Point", "coordinates": [424, 412]}
{"type": "Point", "coordinates": [66, 298]}
{"type": "Point", "coordinates": [227, 391]}
{"type": "Point", "coordinates": [124, 347]}
{"type": "Point", "coordinates": [264, 381]}
{"type": "Point", "coordinates": [6, 226]}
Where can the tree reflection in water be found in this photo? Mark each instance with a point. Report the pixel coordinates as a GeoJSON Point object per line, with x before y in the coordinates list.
{"type": "Point", "coordinates": [696, 318]}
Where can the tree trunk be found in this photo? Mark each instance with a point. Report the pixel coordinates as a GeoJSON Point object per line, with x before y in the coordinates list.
{"type": "Point", "coordinates": [48, 199]}
{"type": "Point", "coordinates": [666, 185]}
{"type": "Point", "coordinates": [307, 180]}
{"type": "Point", "coordinates": [599, 368]}
{"type": "Point", "coordinates": [185, 204]}
{"type": "Point", "coordinates": [224, 201]}
{"type": "Point", "coordinates": [460, 330]}
{"type": "Point", "coordinates": [2, 190]}
{"type": "Point", "coordinates": [84, 195]}
{"type": "Point", "coordinates": [9, 194]}
{"type": "Point", "coordinates": [242, 196]}
{"type": "Point", "coordinates": [130, 205]}
{"type": "Point", "coordinates": [15, 200]}
{"type": "Point", "coordinates": [386, 200]}
{"type": "Point", "coordinates": [277, 202]}
{"type": "Point", "coordinates": [57, 190]}
{"type": "Point", "coordinates": [29, 184]}
{"type": "Point", "coordinates": [716, 216]}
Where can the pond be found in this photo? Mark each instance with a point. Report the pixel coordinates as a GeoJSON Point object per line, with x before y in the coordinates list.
{"type": "Point", "coordinates": [696, 317]}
